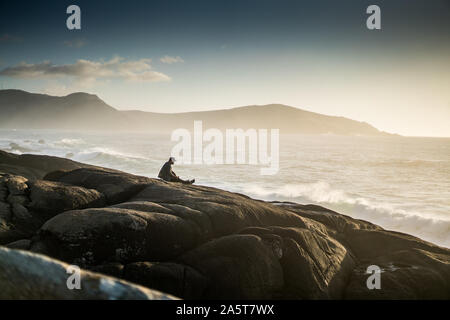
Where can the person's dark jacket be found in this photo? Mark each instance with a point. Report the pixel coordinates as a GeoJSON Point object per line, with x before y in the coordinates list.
{"type": "Point", "coordinates": [166, 172]}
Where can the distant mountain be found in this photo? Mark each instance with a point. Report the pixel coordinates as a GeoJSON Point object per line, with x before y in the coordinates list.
{"type": "Point", "coordinates": [21, 109]}
{"type": "Point", "coordinates": [82, 111]}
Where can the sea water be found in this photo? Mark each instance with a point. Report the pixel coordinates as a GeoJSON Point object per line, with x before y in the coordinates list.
{"type": "Point", "coordinates": [399, 183]}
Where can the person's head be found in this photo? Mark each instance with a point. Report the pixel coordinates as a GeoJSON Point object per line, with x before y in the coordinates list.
{"type": "Point", "coordinates": [172, 160]}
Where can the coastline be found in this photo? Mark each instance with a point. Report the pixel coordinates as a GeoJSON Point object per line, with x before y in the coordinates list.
{"type": "Point", "coordinates": [201, 242]}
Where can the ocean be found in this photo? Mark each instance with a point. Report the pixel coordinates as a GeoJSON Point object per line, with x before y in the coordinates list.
{"type": "Point", "coordinates": [399, 183]}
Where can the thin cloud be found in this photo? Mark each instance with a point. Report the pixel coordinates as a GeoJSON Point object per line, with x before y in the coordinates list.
{"type": "Point", "coordinates": [82, 70]}
{"type": "Point", "coordinates": [170, 60]}
{"type": "Point", "coordinates": [75, 43]}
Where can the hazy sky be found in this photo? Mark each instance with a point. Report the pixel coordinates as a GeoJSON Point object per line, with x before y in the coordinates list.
{"type": "Point", "coordinates": [172, 56]}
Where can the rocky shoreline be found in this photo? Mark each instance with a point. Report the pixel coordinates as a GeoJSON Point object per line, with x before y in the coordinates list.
{"type": "Point", "coordinates": [135, 237]}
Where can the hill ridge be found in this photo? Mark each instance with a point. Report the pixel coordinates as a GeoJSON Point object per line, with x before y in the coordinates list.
{"type": "Point", "coordinates": [80, 111]}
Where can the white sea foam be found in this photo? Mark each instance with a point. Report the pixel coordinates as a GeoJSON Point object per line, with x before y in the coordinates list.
{"type": "Point", "coordinates": [70, 142]}
{"type": "Point", "coordinates": [108, 157]}
{"type": "Point", "coordinates": [435, 229]}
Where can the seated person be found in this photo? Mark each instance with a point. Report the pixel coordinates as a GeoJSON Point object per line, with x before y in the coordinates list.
{"type": "Point", "coordinates": [167, 174]}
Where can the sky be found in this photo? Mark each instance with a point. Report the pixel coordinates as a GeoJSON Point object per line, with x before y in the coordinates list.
{"type": "Point", "coordinates": [176, 56]}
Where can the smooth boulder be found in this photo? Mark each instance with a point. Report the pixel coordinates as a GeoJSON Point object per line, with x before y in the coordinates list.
{"type": "Point", "coordinates": [26, 275]}
{"type": "Point", "coordinates": [95, 236]}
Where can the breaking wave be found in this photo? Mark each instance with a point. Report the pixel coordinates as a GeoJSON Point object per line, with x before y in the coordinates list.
{"type": "Point", "coordinates": [435, 229]}
{"type": "Point", "coordinates": [105, 156]}
{"type": "Point", "coordinates": [75, 149]}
